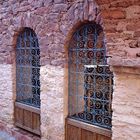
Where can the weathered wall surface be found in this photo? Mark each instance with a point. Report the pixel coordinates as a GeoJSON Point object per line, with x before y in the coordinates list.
{"type": "Point", "coordinates": [122, 27]}
{"type": "Point", "coordinates": [52, 102]}
{"type": "Point", "coordinates": [121, 22]}
{"type": "Point", "coordinates": [54, 22]}
{"type": "Point", "coordinates": [6, 95]}
{"type": "Point", "coordinates": [126, 105]}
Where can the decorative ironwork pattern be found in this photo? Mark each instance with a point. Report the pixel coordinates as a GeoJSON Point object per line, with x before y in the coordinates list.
{"type": "Point", "coordinates": [90, 78]}
{"type": "Point", "coordinates": [28, 68]}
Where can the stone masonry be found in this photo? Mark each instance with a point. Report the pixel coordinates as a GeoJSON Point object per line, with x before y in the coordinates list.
{"type": "Point", "coordinates": [126, 106]}
{"type": "Point", "coordinates": [54, 21]}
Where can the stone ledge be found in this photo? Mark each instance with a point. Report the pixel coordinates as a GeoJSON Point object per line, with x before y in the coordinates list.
{"type": "Point", "coordinates": [126, 69]}
{"type": "Point", "coordinates": [120, 61]}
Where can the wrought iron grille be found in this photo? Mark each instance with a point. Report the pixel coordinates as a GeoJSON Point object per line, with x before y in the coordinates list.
{"type": "Point", "coordinates": [28, 68]}
{"type": "Point", "coordinates": [90, 78]}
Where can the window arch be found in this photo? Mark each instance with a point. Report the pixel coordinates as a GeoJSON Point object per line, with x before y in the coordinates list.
{"type": "Point", "coordinates": [90, 78]}
{"type": "Point", "coordinates": [28, 68]}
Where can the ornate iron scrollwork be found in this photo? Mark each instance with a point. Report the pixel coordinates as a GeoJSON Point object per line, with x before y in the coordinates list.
{"type": "Point", "coordinates": [28, 68]}
{"type": "Point", "coordinates": [87, 60]}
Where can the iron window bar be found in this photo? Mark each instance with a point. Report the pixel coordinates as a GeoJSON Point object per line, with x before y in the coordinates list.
{"type": "Point", "coordinates": [28, 68]}
{"type": "Point", "coordinates": [90, 78]}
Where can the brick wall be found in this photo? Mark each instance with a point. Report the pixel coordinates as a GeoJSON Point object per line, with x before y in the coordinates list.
{"type": "Point", "coordinates": [121, 23]}
{"type": "Point", "coordinates": [54, 21]}
{"type": "Point", "coordinates": [122, 28]}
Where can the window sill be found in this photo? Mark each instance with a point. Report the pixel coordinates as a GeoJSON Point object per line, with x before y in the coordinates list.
{"type": "Point", "coordinates": [27, 107]}
{"type": "Point", "coordinates": [90, 127]}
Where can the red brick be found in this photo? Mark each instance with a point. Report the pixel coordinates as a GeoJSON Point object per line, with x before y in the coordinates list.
{"type": "Point", "coordinates": [124, 3]}
{"type": "Point", "coordinates": [103, 1]}
{"type": "Point", "coordinates": [137, 34]}
{"type": "Point", "coordinates": [133, 26]}
{"type": "Point", "coordinates": [113, 14]}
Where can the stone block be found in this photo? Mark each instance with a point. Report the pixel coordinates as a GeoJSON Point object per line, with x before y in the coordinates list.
{"type": "Point", "coordinates": [133, 12]}
{"type": "Point", "coordinates": [113, 14]}
{"type": "Point", "coordinates": [126, 104]}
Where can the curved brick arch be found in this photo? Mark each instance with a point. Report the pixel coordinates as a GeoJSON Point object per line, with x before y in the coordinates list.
{"type": "Point", "coordinates": [88, 12]}
{"type": "Point", "coordinates": [79, 13]}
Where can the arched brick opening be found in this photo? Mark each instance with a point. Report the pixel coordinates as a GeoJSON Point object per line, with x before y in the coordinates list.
{"type": "Point", "coordinates": [92, 14]}
{"type": "Point", "coordinates": [27, 104]}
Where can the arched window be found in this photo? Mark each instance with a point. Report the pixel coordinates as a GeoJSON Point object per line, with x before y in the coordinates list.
{"type": "Point", "coordinates": [28, 68]}
{"type": "Point", "coordinates": [90, 78]}
{"type": "Point", "coordinates": [27, 80]}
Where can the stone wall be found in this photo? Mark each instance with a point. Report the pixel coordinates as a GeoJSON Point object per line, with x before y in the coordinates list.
{"type": "Point", "coordinates": [6, 94]}
{"type": "Point", "coordinates": [126, 105]}
{"type": "Point", "coordinates": [121, 23]}
{"type": "Point", "coordinates": [122, 28]}
{"type": "Point", "coordinates": [52, 102]}
{"type": "Point", "coordinates": [54, 21]}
